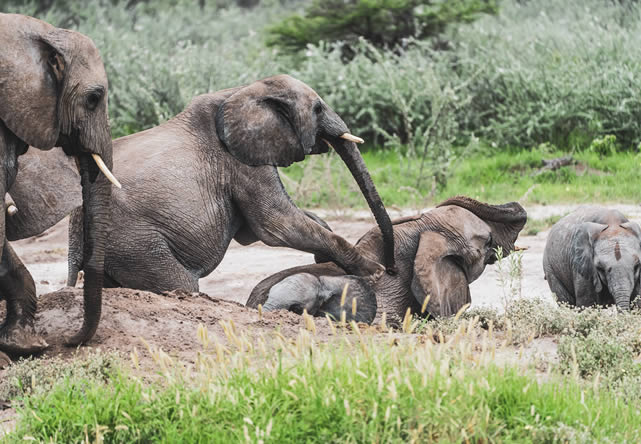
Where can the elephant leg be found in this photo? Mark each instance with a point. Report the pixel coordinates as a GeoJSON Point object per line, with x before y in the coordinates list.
{"type": "Point", "coordinates": [278, 222]}
{"type": "Point", "coordinates": [559, 290]}
{"type": "Point", "coordinates": [17, 334]}
{"type": "Point", "coordinates": [4, 361]}
{"type": "Point", "coordinates": [152, 268]}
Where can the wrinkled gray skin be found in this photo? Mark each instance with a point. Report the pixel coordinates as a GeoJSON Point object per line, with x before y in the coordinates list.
{"type": "Point", "coordinates": [53, 92]}
{"type": "Point", "coordinates": [209, 175]}
{"type": "Point", "coordinates": [438, 253]}
{"type": "Point", "coordinates": [321, 295]}
{"type": "Point", "coordinates": [592, 258]}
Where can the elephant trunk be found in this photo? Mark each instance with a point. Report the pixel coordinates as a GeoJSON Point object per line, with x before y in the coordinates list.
{"type": "Point", "coordinates": [96, 209]}
{"type": "Point", "coordinates": [622, 299]}
{"type": "Point", "coordinates": [351, 156]}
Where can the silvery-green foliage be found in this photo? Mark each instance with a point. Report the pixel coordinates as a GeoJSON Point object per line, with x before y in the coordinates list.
{"type": "Point", "coordinates": [555, 71]}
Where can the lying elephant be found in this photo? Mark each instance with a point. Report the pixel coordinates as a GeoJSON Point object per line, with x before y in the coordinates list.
{"type": "Point", "coordinates": [592, 257]}
{"type": "Point", "coordinates": [209, 175]}
{"type": "Point", "coordinates": [438, 253]}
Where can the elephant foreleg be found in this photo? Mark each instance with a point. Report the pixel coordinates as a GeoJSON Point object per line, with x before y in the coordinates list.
{"type": "Point", "coordinates": [275, 220]}
{"type": "Point", "coordinates": [17, 334]}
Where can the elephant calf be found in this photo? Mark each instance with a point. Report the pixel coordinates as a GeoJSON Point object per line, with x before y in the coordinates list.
{"type": "Point", "coordinates": [592, 257]}
{"type": "Point", "coordinates": [438, 253]}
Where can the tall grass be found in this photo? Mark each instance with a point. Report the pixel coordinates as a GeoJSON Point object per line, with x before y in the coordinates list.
{"type": "Point", "coordinates": [356, 388]}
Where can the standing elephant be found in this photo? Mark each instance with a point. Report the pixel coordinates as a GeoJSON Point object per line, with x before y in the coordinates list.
{"type": "Point", "coordinates": [53, 92]}
{"type": "Point", "coordinates": [592, 257]}
{"type": "Point", "coordinates": [439, 253]}
{"type": "Point", "coordinates": [209, 175]}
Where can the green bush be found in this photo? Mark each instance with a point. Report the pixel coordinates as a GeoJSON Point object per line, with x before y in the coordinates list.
{"type": "Point", "coordinates": [385, 24]}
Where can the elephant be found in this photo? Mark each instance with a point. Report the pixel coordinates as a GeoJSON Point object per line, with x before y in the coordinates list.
{"type": "Point", "coordinates": [209, 175]}
{"type": "Point", "coordinates": [53, 92]}
{"type": "Point", "coordinates": [438, 254]}
{"type": "Point", "coordinates": [592, 256]}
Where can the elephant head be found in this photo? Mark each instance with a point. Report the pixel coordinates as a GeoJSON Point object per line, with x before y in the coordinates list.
{"type": "Point", "coordinates": [280, 120]}
{"type": "Point", "coordinates": [606, 259]}
{"type": "Point", "coordinates": [439, 254]}
{"type": "Point", "coordinates": [323, 295]}
{"type": "Point", "coordinates": [53, 92]}
{"type": "Point", "coordinates": [454, 252]}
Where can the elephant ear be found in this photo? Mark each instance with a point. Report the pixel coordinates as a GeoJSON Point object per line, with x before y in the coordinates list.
{"type": "Point", "coordinates": [46, 189]}
{"type": "Point", "coordinates": [31, 73]}
{"type": "Point", "coordinates": [633, 227]}
{"type": "Point", "coordinates": [266, 123]}
{"type": "Point", "coordinates": [506, 221]}
{"type": "Point", "coordinates": [439, 274]}
{"type": "Point", "coordinates": [582, 253]}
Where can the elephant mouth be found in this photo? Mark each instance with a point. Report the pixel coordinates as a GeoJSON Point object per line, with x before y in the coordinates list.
{"type": "Point", "coordinates": [72, 148]}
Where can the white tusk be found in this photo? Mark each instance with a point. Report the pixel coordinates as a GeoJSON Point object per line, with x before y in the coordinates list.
{"type": "Point", "coordinates": [352, 138]}
{"type": "Point", "coordinates": [105, 170]}
{"type": "Point", "coordinates": [10, 205]}
{"type": "Point", "coordinates": [328, 144]}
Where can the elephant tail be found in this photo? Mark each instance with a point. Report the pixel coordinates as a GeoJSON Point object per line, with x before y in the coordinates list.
{"type": "Point", "coordinates": [76, 241]}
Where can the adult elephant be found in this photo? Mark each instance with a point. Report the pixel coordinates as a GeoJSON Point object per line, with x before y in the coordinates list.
{"type": "Point", "coordinates": [53, 92]}
{"type": "Point", "coordinates": [209, 175]}
{"type": "Point", "coordinates": [439, 253]}
{"type": "Point", "coordinates": [592, 257]}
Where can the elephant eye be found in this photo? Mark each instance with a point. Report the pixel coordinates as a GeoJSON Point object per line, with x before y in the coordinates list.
{"type": "Point", "coordinates": [94, 98]}
{"type": "Point", "coordinates": [318, 108]}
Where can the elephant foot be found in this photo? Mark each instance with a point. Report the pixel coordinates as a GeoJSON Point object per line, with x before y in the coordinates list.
{"type": "Point", "coordinates": [4, 361]}
{"type": "Point", "coordinates": [21, 340]}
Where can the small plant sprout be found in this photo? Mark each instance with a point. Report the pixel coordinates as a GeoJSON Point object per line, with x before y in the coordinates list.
{"type": "Point", "coordinates": [509, 275]}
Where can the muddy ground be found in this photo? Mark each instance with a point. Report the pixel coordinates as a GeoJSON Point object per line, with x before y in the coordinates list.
{"type": "Point", "coordinates": [172, 320]}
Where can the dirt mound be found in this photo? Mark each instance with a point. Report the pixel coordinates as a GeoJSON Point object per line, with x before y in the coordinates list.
{"type": "Point", "coordinates": [169, 320]}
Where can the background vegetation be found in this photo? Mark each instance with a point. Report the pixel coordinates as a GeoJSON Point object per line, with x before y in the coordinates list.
{"type": "Point", "coordinates": [441, 85]}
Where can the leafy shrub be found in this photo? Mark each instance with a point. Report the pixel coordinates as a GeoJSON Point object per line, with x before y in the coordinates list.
{"type": "Point", "coordinates": [604, 146]}
{"type": "Point", "coordinates": [385, 24]}
{"type": "Point", "coordinates": [564, 72]}
{"type": "Point", "coordinates": [36, 376]}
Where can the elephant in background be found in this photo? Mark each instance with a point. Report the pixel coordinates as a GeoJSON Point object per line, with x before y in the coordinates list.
{"type": "Point", "coordinates": [592, 256]}
{"type": "Point", "coordinates": [438, 253]}
{"type": "Point", "coordinates": [53, 92]}
{"type": "Point", "coordinates": [209, 175]}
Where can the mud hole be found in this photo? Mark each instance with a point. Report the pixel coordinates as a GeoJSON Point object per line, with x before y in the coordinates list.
{"type": "Point", "coordinates": [171, 320]}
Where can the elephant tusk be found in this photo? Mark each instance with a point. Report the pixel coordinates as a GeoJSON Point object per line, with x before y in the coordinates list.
{"type": "Point", "coordinates": [517, 248]}
{"type": "Point", "coordinates": [10, 205]}
{"type": "Point", "coordinates": [328, 144]}
{"type": "Point", "coordinates": [105, 170]}
{"type": "Point", "coordinates": [352, 138]}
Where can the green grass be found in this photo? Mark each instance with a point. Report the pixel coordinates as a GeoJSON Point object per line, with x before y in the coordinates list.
{"type": "Point", "coordinates": [498, 177]}
{"type": "Point", "coordinates": [351, 390]}
{"type": "Point", "coordinates": [360, 386]}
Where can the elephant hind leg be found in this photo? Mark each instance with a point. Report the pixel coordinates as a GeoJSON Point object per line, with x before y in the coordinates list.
{"type": "Point", "coordinates": [559, 290]}
{"type": "Point", "coordinates": [17, 334]}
